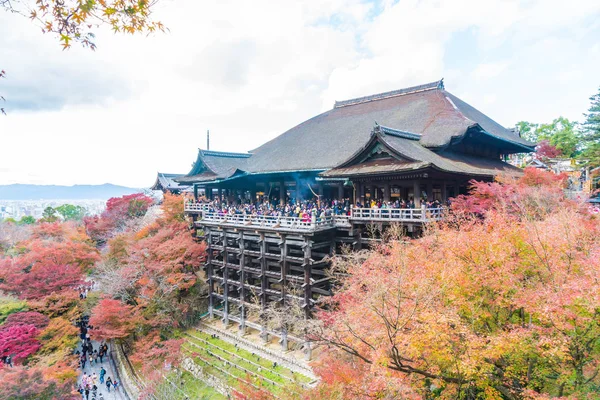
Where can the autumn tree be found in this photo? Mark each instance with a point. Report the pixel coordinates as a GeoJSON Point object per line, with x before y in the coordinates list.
{"type": "Point", "coordinates": [115, 219]}
{"type": "Point", "coordinates": [544, 150]}
{"type": "Point", "coordinates": [113, 319]}
{"type": "Point", "coordinates": [499, 302]}
{"type": "Point", "coordinates": [18, 341]}
{"type": "Point", "coordinates": [75, 21]}
{"type": "Point", "coordinates": [48, 267]}
{"type": "Point", "coordinates": [34, 318]}
{"type": "Point", "coordinates": [30, 384]}
{"type": "Point", "coordinates": [153, 278]}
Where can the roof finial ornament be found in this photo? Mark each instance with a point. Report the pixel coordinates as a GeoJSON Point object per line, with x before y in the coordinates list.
{"type": "Point", "coordinates": [441, 84]}
{"type": "Point", "coordinates": [376, 129]}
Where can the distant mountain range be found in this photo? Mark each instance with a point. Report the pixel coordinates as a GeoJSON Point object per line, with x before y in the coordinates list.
{"type": "Point", "coordinates": [55, 192]}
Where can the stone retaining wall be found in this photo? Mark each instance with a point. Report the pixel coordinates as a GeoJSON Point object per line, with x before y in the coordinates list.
{"type": "Point", "coordinates": [131, 385]}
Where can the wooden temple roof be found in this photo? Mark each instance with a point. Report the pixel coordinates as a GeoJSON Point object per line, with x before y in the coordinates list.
{"type": "Point", "coordinates": [166, 181]}
{"type": "Point", "coordinates": [437, 118]}
{"type": "Point", "coordinates": [387, 153]}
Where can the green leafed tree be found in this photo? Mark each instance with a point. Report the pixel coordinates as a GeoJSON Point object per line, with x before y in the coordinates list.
{"type": "Point", "coordinates": [591, 131]}
{"type": "Point", "coordinates": [49, 215]}
{"type": "Point", "coordinates": [560, 133]}
{"type": "Point", "coordinates": [69, 212]}
{"type": "Point", "coordinates": [528, 131]}
{"type": "Point", "coordinates": [27, 220]}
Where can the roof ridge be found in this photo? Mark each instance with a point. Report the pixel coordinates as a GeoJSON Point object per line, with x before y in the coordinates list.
{"type": "Point", "coordinates": [396, 132]}
{"type": "Point", "coordinates": [394, 93]}
{"type": "Point", "coordinates": [225, 154]}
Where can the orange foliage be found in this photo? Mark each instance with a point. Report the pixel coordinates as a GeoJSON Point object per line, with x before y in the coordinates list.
{"type": "Point", "coordinates": [504, 305]}
{"type": "Point", "coordinates": [112, 319]}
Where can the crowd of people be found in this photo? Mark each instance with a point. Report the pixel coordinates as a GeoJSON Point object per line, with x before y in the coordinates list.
{"type": "Point", "coordinates": [307, 210]}
{"type": "Point", "coordinates": [90, 356]}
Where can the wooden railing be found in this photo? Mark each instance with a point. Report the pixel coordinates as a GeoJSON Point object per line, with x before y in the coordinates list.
{"type": "Point", "coordinates": [191, 206]}
{"type": "Point", "coordinates": [397, 214]}
{"type": "Point", "coordinates": [268, 221]}
{"type": "Point", "coordinates": [356, 214]}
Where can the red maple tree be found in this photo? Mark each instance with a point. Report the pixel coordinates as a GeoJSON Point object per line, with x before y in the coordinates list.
{"type": "Point", "coordinates": [113, 319]}
{"type": "Point", "coordinates": [19, 342]}
{"type": "Point", "coordinates": [34, 318]}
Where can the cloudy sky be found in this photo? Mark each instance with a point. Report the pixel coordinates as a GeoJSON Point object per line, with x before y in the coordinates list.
{"type": "Point", "coordinates": [248, 71]}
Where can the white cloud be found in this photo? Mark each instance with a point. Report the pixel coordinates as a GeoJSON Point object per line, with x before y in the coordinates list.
{"type": "Point", "coordinates": [251, 70]}
{"type": "Point", "coordinates": [489, 70]}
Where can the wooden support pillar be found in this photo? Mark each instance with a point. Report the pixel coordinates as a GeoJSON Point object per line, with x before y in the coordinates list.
{"type": "Point", "coordinates": [417, 193]}
{"type": "Point", "coordinates": [225, 280]}
{"type": "Point", "coordinates": [444, 192]}
{"type": "Point", "coordinates": [220, 195]}
{"type": "Point", "coordinates": [242, 284]}
{"type": "Point", "coordinates": [307, 286]}
{"type": "Point", "coordinates": [386, 192]}
{"type": "Point", "coordinates": [210, 273]}
{"type": "Point", "coordinates": [340, 191]}
{"type": "Point", "coordinates": [360, 196]}
{"type": "Point", "coordinates": [195, 192]}
{"type": "Point", "coordinates": [283, 282]}
{"type": "Point", "coordinates": [281, 193]}
{"type": "Point", "coordinates": [283, 245]}
{"type": "Point", "coordinates": [263, 283]}
{"type": "Point", "coordinates": [429, 190]}
{"type": "Point", "coordinates": [298, 190]}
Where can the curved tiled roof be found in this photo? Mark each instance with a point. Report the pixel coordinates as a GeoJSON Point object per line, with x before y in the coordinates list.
{"type": "Point", "coordinates": [412, 156]}
{"type": "Point", "coordinates": [428, 112]}
{"type": "Point", "coordinates": [331, 137]}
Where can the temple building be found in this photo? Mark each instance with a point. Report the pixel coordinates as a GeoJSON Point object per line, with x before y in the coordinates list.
{"type": "Point", "coordinates": [414, 143]}
{"type": "Point", "coordinates": [417, 144]}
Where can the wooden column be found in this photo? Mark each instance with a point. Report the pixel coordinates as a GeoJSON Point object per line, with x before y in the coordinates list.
{"type": "Point", "coordinates": [281, 193]}
{"type": "Point", "coordinates": [417, 193]}
{"type": "Point", "coordinates": [195, 192]}
{"type": "Point", "coordinates": [444, 192]}
{"type": "Point", "coordinates": [284, 264]}
{"type": "Point", "coordinates": [386, 191]}
{"type": "Point", "coordinates": [225, 280]}
{"type": "Point", "coordinates": [340, 191]}
{"type": "Point", "coordinates": [298, 189]}
{"type": "Point", "coordinates": [307, 275]}
{"type": "Point", "coordinates": [263, 282]}
{"type": "Point", "coordinates": [210, 272]}
{"type": "Point", "coordinates": [242, 283]}
{"type": "Point", "coordinates": [429, 190]}
{"type": "Point", "coordinates": [220, 194]}
{"type": "Point", "coordinates": [283, 281]}
{"type": "Point", "coordinates": [359, 192]}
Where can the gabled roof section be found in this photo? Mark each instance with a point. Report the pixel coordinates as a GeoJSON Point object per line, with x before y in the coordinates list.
{"type": "Point", "coordinates": [409, 155]}
{"type": "Point", "coordinates": [211, 165]}
{"type": "Point", "coordinates": [166, 181]}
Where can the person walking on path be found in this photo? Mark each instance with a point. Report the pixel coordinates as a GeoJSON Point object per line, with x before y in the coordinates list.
{"type": "Point", "coordinates": [102, 373]}
{"type": "Point", "coordinates": [108, 384]}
